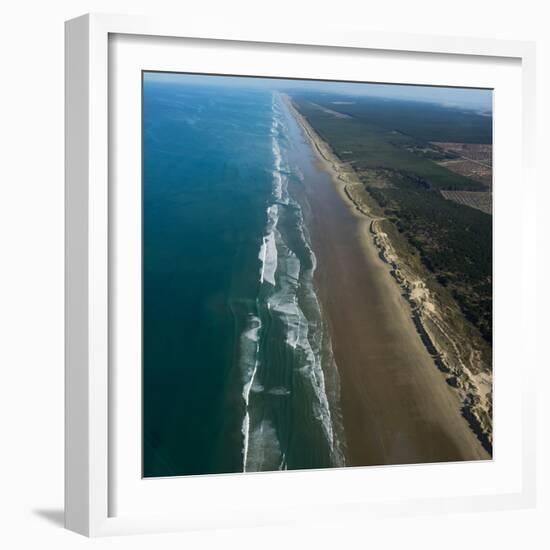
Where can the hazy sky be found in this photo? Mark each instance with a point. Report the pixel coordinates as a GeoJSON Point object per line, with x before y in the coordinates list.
{"type": "Point", "coordinates": [470, 98]}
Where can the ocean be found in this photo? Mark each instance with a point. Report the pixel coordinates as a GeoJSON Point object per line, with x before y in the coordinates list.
{"type": "Point", "coordinates": [238, 370]}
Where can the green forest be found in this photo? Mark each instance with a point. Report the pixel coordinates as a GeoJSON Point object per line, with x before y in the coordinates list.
{"type": "Point", "coordinates": [454, 241]}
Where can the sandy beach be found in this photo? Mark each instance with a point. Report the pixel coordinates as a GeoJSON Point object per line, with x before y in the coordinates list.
{"type": "Point", "coordinates": [397, 407]}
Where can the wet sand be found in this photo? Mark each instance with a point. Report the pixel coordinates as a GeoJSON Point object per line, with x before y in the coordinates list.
{"type": "Point", "coordinates": [397, 407]}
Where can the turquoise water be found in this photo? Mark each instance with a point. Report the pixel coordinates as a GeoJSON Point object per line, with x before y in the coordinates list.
{"type": "Point", "coordinates": [235, 350]}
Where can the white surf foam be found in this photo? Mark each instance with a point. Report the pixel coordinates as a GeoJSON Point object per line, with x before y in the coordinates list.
{"type": "Point", "coordinates": [249, 348]}
{"type": "Point", "coordinates": [264, 451]}
{"type": "Point", "coordinates": [279, 391]}
{"type": "Point", "coordinates": [299, 330]}
{"type": "Point", "coordinates": [268, 248]}
{"type": "Point", "coordinates": [268, 257]}
{"type": "Point", "coordinates": [282, 269]}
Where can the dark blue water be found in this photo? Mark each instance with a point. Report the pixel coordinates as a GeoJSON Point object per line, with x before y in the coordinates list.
{"type": "Point", "coordinates": [235, 348]}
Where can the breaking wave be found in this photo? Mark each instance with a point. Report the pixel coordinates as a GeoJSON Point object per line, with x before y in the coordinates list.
{"type": "Point", "coordinates": [285, 346]}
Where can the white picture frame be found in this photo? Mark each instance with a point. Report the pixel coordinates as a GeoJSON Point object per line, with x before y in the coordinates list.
{"type": "Point", "coordinates": [90, 398]}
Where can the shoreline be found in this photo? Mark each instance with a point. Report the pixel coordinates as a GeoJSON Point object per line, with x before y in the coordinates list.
{"type": "Point", "coordinates": [382, 358]}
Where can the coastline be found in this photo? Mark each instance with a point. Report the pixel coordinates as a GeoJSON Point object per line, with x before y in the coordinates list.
{"type": "Point", "coordinates": [397, 406]}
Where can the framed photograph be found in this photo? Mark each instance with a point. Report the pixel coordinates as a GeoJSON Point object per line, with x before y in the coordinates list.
{"type": "Point", "coordinates": [297, 282]}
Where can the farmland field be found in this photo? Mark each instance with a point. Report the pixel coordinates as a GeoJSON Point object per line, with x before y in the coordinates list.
{"type": "Point", "coordinates": [480, 200]}
{"type": "Point", "coordinates": [473, 160]}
